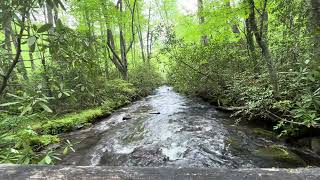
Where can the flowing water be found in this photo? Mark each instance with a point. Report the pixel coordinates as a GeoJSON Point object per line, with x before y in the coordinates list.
{"type": "Point", "coordinates": [169, 129]}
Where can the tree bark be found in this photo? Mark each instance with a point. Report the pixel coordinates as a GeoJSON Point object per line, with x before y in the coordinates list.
{"type": "Point", "coordinates": [123, 48]}
{"type": "Point", "coordinates": [251, 47]}
{"type": "Point", "coordinates": [141, 43]}
{"type": "Point", "coordinates": [148, 36]}
{"type": "Point", "coordinates": [21, 65]}
{"type": "Point", "coordinates": [263, 44]}
{"type": "Point", "coordinates": [6, 77]}
{"type": "Point", "coordinates": [204, 38]}
{"type": "Point", "coordinates": [50, 17]}
{"type": "Point", "coordinates": [139, 30]}
{"type": "Point", "coordinates": [315, 24]}
{"type": "Point", "coordinates": [33, 66]}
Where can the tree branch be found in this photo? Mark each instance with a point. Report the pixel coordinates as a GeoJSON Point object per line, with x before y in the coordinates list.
{"type": "Point", "coordinates": [6, 77]}
{"type": "Point", "coordinates": [132, 11]}
{"type": "Point", "coordinates": [116, 61]}
{"type": "Point", "coordinates": [272, 115]}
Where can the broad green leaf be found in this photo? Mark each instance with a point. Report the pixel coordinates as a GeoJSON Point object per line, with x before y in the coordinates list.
{"type": "Point", "coordinates": [32, 41]}
{"type": "Point", "coordinates": [65, 150]}
{"type": "Point", "coordinates": [45, 107]}
{"type": "Point", "coordinates": [1, 72]}
{"type": "Point", "coordinates": [26, 110]}
{"type": "Point", "coordinates": [9, 104]}
{"type": "Point", "coordinates": [15, 96]}
{"type": "Point", "coordinates": [48, 160]}
{"type": "Point", "coordinates": [26, 161]}
{"type": "Point", "coordinates": [67, 94]}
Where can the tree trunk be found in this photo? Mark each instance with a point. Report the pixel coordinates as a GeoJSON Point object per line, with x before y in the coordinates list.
{"type": "Point", "coordinates": [263, 44]}
{"type": "Point", "coordinates": [251, 47]}
{"type": "Point", "coordinates": [139, 30]}
{"type": "Point", "coordinates": [104, 50]}
{"type": "Point", "coordinates": [31, 59]}
{"type": "Point", "coordinates": [7, 41]}
{"type": "Point", "coordinates": [7, 38]}
{"type": "Point", "coordinates": [141, 43]}
{"type": "Point", "coordinates": [6, 76]}
{"type": "Point", "coordinates": [50, 18]}
{"type": "Point", "coordinates": [204, 38]}
{"type": "Point", "coordinates": [148, 36]}
{"type": "Point", "coordinates": [123, 48]}
{"type": "Point", "coordinates": [315, 24]}
{"type": "Point", "coordinates": [21, 65]}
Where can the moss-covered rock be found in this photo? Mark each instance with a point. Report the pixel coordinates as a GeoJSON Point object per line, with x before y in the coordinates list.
{"type": "Point", "coordinates": [279, 153]}
{"type": "Point", "coordinates": [72, 121]}
{"type": "Point", "coordinates": [44, 140]}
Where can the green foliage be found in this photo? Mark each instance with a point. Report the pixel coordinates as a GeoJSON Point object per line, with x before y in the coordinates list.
{"type": "Point", "coordinates": [147, 78]}
{"type": "Point", "coordinates": [27, 104]}
{"type": "Point", "coordinates": [72, 121]}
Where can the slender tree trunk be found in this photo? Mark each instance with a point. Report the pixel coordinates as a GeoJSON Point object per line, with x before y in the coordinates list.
{"type": "Point", "coordinates": [315, 25]}
{"type": "Point", "coordinates": [141, 43]}
{"type": "Point", "coordinates": [104, 50]}
{"type": "Point", "coordinates": [31, 59]}
{"type": "Point", "coordinates": [148, 35]}
{"type": "Point", "coordinates": [123, 48]}
{"type": "Point", "coordinates": [150, 46]}
{"type": "Point", "coordinates": [117, 61]}
{"type": "Point", "coordinates": [7, 38]}
{"type": "Point", "coordinates": [263, 44]}
{"type": "Point", "coordinates": [6, 76]}
{"type": "Point", "coordinates": [139, 30]}
{"type": "Point", "coordinates": [50, 17]}
{"type": "Point", "coordinates": [56, 15]}
{"type": "Point", "coordinates": [204, 38]}
{"type": "Point", "coordinates": [251, 47]}
{"type": "Point", "coordinates": [234, 27]}
{"type": "Point", "coordinates": [21, 65]}
{"type": "Point", "coordinates": [7, 41]}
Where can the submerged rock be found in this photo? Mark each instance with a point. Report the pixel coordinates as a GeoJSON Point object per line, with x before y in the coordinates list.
{"type": "Point", "coordinates": [281, 154]}
{"type": "Point", "coordinates": [128, 117]}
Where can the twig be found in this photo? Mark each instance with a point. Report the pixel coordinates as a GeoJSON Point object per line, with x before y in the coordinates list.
{"type": "Point", "coordinates": [291, 122]}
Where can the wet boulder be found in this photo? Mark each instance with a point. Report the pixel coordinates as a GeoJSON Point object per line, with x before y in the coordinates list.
{"type": "Point", "coordinates": [143, 157]}
{"type": "Point", "coordinates": [279, 153]}
{"type": "Point", "coordinates": [127, 117]}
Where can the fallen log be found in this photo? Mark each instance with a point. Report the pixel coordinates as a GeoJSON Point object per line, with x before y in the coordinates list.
{"type": "Point", "coordinates": [12, 172]}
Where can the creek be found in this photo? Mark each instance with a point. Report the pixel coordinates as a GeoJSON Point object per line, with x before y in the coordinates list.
{"type": "Point", "coordinates": [172, 130]}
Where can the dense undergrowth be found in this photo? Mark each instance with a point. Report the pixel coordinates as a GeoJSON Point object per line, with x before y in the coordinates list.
{"type": "Point", "coordinates": [26, 136]}
{"type": "Point", "coordinates": [259, 56]}
{"type": "Point", "coordinates": [221, 74]}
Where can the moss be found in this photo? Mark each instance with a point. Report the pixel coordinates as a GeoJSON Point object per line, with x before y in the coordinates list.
{"type": "Point", "coordinates": [264, 133]}
{"type": "Point", "coordinates": [82, 119]}
{"type": "Point", "coordinates": [72, 121]}
{"type": "Point", "coordinates": [45, 140]}
{"type": "Point", "coordinates": [236, 146]}
{"type": "Point", "coordinates": [279, 153]}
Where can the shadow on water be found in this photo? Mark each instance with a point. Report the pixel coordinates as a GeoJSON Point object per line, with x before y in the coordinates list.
{"type": "Point", "coordinates": [168, 129]}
